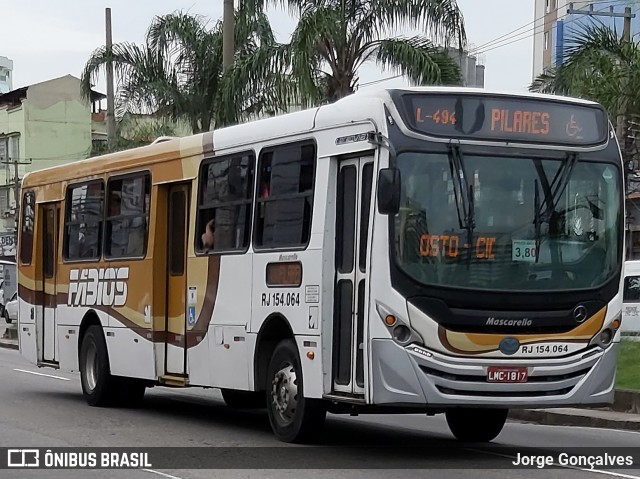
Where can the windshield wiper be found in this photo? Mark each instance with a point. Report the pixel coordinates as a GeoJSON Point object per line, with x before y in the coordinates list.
{"type": "Point", "coordinates": [553, 192]}
{"type": "Point", "coordinates": [463, 192]}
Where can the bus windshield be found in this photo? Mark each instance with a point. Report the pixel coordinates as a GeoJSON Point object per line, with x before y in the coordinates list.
{"type": "Point", "coordinates": [505, 227]}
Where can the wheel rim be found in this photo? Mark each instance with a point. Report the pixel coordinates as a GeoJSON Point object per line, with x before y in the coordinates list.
{"type": "Point", "coordinates": [284, 394]}
{"type": "Point", "coordinates": [91, 366]}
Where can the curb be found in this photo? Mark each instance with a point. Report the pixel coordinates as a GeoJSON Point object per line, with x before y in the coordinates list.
{"type": "Point", "coordinates": [578, 418]}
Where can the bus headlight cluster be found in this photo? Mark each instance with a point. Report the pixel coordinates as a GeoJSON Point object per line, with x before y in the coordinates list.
{"type": "Point", "coordinates": [604, 338]}
{"type": "Point", "coordinates": [400, 331]}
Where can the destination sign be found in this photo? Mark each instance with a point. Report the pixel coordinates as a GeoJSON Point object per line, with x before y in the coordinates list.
{"type": "Point", "coordinates": [450, 245]}
{"type": "Point", "coordinates": [481, 117]}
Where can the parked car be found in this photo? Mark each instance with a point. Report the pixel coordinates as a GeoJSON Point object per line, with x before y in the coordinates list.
{"type": "Point", "coordinates": [631, 299]}
{"type": "Point", "coordinates": [11, 309]}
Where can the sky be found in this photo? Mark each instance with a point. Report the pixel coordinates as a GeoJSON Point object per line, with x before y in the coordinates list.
{"type": "Point", "coordinates": [47, 39]}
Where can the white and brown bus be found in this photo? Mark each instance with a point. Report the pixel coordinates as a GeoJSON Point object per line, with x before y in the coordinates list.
{"type": "Point", "coordinates": [423, 249]}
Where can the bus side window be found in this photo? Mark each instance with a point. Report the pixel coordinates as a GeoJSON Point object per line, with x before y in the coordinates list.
{"type": "Point", "coordinates": [285, 198]}
{"type": "Point", "coordinates": [28, 217]}
{"type": "Point", "coordinates": [127, 226]}
{"type": "Point", "coordinates": [224, 203]}
{"type": "Point", "coordinates": [83, 221]}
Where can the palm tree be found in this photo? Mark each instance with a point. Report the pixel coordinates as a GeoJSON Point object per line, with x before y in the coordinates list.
{"type": "Point", "coordinates": [334, 38]}
{"type": "Point", "coordinates": [598, 66]}
{"type": "Point", "coordinates": [177, 72]}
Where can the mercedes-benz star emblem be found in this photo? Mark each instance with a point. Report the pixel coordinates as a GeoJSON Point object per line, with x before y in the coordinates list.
{"type": "Point", "coordinates": [580, 313]}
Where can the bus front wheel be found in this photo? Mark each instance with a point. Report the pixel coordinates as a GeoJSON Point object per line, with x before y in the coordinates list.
{"type": "Point", "coordinates": [97, 383]}
{"type": "Point", "coordinates": [293, 417]}
{"type": "Point", "coordinates": [476, 424]}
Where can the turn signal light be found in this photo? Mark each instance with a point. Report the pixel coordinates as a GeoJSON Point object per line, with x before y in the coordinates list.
{"type": "Point", "coordinates": [616, 324]}
{"type": "Point", "coordinates": [390, 320]}
{"type": "Point", "coordinates": [311, 354]}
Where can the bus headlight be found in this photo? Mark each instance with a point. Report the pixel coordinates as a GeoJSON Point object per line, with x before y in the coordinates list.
{"type": "Point", "coordinates": [401, 334]}
{"type": "Point", "coordinates": [400, 330]}
{"type": "Point", "coordinates": [606, 336]}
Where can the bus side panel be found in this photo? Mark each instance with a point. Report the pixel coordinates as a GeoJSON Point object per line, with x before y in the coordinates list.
{"type": "Point", "coordinates": [228, 329]}
{"type": "Point", "coordinates": [129, 335]}
{"type": "Point", "coordinates": [130, 354]}
{"type": "Point", "coordinates": [67, 346]}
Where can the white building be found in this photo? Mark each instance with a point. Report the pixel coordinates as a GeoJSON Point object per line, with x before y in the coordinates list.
{"type": "Point", "coordinates": [6, 73]}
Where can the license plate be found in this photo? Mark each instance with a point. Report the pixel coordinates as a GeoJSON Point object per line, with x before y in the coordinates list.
{"type": "Point", "coordinates": [497, 374]}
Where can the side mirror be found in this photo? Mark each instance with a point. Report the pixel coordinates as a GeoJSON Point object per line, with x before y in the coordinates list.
{"type": "Point", "coordinates": [389, 191]}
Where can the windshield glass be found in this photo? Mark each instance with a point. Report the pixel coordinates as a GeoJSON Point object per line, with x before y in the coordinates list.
{"type": "Point", "coordinates": [570, 241]}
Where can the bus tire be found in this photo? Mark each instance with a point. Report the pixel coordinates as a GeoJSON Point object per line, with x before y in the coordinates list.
{"type": "Point", "coordinates": [476, 424]}
{"type": "Point", "coordinates": [243, 399]}
{"type": "Point", "coordinates": [98, 386]}
{"type": "Point", "coordinates": [293, 417]}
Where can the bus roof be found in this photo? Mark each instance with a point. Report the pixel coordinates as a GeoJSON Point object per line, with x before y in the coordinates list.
{"type": "Point", "coordinates": [299, 122]}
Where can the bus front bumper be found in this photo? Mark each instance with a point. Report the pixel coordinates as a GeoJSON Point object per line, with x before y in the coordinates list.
{"type": "Point", "coordinates": [404, 376]}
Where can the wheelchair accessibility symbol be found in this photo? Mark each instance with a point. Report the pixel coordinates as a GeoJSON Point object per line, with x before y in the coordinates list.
{"type": "Point", "coordinates": [191, 316]}
{"type": "Point", "coordinates": [573, 127]}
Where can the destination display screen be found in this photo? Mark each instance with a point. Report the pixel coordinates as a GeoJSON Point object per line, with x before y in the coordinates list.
{"type": "Point", "coordinates": [523, 120]}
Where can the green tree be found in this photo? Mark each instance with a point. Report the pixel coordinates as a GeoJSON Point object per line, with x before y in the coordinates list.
{"type": "Point", "coordinates": [133, 131]}
{"type": "Point", "coordinates": [334, 38]}
{"type": "Point", "coordinates": [177, 72]}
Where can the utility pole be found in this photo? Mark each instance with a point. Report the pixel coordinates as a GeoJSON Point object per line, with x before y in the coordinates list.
{"type": "Point", "coordinates": [228, 27]}
{"type": "Point", "coordinates": [111, 120]}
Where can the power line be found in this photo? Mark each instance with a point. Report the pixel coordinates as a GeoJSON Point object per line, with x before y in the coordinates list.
{"type": "Point", "coordinates": [375, 82]}
{"type": "Point", "coordinates": [514, 39]}
{"type": "Point", "coordinates": [499, 44]}
{"type": "Point", "coordinates": [497, 40]}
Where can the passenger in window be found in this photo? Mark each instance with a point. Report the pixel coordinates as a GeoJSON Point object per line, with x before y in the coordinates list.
{"type": "Point", "coordinates": [264, 188]}
{"type": "Point", "coordinates": [208, 235]}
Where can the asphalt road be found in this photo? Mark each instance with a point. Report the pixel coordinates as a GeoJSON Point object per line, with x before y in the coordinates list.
{"type": "Point", "coordinates": [47, 409]}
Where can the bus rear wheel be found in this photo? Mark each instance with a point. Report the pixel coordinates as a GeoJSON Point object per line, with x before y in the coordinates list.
{"type": "Point", "coordinates": [293, 417]}
{"type": "Point", "coordinates": [476, 424]}
{"type": "Point", "coordinates": [98, 385]}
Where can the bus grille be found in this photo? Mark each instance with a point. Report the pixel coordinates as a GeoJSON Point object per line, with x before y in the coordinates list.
{"type": "Point", "coordinates": [470, 385]}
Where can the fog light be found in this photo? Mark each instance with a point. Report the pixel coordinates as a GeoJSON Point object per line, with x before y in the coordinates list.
{"type": "Point", "coordinates": [401, 333]}
{"type": "Point", "coordinates": [606, 336]}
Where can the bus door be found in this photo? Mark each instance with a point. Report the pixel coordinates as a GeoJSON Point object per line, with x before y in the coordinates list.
{"type": "Point", "coordinates": [46, 330]}
{"type": "Point", "coordinates": [176, 310]}
{"type": "Point", "coordinates": [352, 226]}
